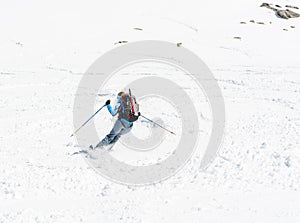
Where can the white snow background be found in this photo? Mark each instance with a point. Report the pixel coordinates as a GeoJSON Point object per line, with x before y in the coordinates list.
{"type": "Point", "coordinates": [46, 46]}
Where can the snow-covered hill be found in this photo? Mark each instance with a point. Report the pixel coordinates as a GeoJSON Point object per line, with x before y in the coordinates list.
{"type": "Point", "coordinates": [45, 48]}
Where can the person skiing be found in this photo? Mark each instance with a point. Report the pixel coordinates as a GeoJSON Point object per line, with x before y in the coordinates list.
{"type": "Point", "coordinates": [126, 109]}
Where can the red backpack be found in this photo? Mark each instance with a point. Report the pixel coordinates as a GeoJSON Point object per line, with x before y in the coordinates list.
{"type": "Point", "coordinates": [129, 107]}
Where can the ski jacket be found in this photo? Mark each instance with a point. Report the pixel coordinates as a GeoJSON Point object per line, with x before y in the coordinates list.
{"type": "Point", "coordinates": [114, 111]}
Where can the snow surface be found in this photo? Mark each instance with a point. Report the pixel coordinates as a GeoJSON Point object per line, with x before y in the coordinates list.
{"type": "Point", "coordinates": [46, 46]}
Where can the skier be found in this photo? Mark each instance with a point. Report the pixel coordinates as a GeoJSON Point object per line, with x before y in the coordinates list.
{"type": "Point", "coordinates": [126, 108]}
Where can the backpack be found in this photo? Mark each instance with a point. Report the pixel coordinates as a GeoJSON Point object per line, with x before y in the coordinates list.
{"type": "Point", "coordinates": [129, 108]}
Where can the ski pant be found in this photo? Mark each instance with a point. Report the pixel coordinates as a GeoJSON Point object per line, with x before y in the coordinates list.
{"type": "Point", "coordinates": [120, 128]}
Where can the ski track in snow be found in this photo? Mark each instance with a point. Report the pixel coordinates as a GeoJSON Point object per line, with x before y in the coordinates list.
{"type": "Point", "coordinates": [41, 182]}
{"type": "Point", "coordinates": [254, 178]}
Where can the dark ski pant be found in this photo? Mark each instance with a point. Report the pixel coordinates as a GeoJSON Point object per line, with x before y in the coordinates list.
{"type": "Point", "coordinates": [120, 128]}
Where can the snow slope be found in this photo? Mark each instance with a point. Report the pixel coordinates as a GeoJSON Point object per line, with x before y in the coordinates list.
{"type": "Point", "coordinates": [46, 46]}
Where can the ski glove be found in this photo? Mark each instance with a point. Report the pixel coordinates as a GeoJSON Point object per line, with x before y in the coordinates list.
{"type": "Point", "coordinates": [133, 118]}
{"type": "Point", "coordinates": [107, 102]}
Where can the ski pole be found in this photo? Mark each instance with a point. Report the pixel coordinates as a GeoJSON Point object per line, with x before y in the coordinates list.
{"type": "Point", "coordinates": [158, 125]}
{"type": "Point", "coordinates": [87, 120]}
